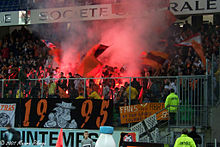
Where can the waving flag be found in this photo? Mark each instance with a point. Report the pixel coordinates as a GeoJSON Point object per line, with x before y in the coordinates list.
{"type": "Point", "coordinates": [195, 41]}
{"type": "Point", "coordinates": [155, 59]}
{"type": "Point", "coordinates": [48, 44]}
{"type": "Point", "coordinates": [54, 51]}
{"type": "Point", "coordinates": [90, 65]}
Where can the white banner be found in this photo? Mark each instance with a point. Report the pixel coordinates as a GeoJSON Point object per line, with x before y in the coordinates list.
{"type": "Point", "coordinates": [185, 7]}
{"type": "Point", "coordinates": [7, 114]}
{"type": "Point", "coordinates": [9, 18]}
{"type": "Point", "coordinates": [68, 14]}
{"type": "Point", "coordinates": [100, 12]}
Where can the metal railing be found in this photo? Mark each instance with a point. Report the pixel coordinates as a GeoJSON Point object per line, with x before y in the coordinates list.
{"type": "Point", "coordinates": [188, 116]}
{"type": "Point", "coordinates": [191, 90]}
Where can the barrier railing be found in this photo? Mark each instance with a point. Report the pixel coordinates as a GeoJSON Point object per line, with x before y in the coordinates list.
{"type": "Point", "coordinates": [188, 116]}
{"type": "Point", "coordinates": [192, 90]}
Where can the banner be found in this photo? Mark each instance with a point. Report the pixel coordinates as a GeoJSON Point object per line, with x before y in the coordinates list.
{"type": "Point", "coordinates": [7, 114]}
{"type": "Point", "coordinates": [62, 113]}
{"type": "Point", "coordinates": [71, 137]}
{"type": "Point", "coordinates": [69, 14]}
{"type": "Point", "coordinates": [137, 113]}
{"type": "Point", "coordinates": [185, 7]}
{"type": "Point", "coordinates": [9, 18]}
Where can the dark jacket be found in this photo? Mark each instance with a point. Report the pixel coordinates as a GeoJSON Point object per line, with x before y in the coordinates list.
{"type": "Point", "coordinates": [197, 139]}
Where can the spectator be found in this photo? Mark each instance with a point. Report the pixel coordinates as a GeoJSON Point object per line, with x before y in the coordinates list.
{"type": "Point", "coordinates": [193, 134]}
{"type": "Point", "coordinates": [133, 94]}
{"type": "Point", "coordinates": [136, 84]}
{"type": "Point", "coordinates": [106, 91]}
{"type": "Point", "coordinates": [94, 95]}
{"type": "Point", "coordinates": [52, 87]}
{"type": "Point", "coordinates": [71, 87]}
{"type": "Point", "coordinates": [19, 94]}
{"type": "Point", "coordinates": [62, 82]}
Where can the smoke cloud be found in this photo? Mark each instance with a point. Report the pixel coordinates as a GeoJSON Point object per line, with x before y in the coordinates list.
{"type": "Point", "coordinates": [127, 38]}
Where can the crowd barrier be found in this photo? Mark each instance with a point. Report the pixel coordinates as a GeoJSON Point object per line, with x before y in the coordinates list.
{"type": "Point", "coordinates": [192, 90]}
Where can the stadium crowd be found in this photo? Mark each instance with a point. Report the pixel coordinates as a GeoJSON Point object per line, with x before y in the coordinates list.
{"type": "Point", "coordinates": [24, 56]}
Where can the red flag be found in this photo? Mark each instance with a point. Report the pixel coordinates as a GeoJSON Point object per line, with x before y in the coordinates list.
{"type": "Point", "coordinates": [140, 98]}
{"type": "Point", "coordinates": [60, 139]}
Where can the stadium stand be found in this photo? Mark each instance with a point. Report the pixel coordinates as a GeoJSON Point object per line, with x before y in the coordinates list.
{"type": "Point", "coordinates": [26, 60]}
{"type": "Point", "coordinates": [13, 5]}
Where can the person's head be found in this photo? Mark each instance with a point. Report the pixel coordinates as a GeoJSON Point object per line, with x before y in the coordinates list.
{"type": "Point", "coordinates": [126, 84]}
{"type": "Point", "coordinates": [86, 134]}
{"type": "Point", "coordinates": [8, 126]}
{"type": "Point", "coordinates": [172, 90]}
{"type": "Point", "coordinates": [62, 74]}
{"type": "Point", "coordinates": [193, 129]}
{"type": "Point", "coordinates": [185, 131]}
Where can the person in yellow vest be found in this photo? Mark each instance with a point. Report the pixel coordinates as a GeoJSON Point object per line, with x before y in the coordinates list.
{"type": "Point", "coordinates": [52, 89]}
{"type": "Point", "coordinates": [18, 95]}
{"type": "Point", "coordinates": [80, 96]}
{"type": "Point", "coordinates": [184, 140]}
{"type": "Point", "coordinates": [94, 95]}
{"type": "Point", "coordinates": [172, 103]}
{"type": "Point", "coordinates": [134, 94]}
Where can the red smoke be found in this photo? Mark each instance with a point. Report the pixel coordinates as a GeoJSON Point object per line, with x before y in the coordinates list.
{"type": "Point", "coordinates": [127, 38]}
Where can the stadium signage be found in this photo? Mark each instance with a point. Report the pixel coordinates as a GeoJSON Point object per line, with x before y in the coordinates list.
{"type": "Point", "coordinates": [9, 18]}
{"type": "Point", "coordinates": [68, 14]}
{"type": "Point", "coordinates": [137, 113]}
{"type": "Point", "coordinates": [183, 7]}
{"type": "Point", "coordinates": [48, 137]}
{"type": "Point", "coordinates": [58, 113]}
{"type": "Point", "coordinates": [101, 12]}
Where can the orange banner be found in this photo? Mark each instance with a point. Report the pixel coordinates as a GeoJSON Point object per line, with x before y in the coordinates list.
{"type": "Point", "coordinates": [137, 113]}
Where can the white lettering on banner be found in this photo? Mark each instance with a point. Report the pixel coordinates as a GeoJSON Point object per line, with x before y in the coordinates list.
{"type": "Point", "coordinates": [9, 18]}
{"type": "Point", "coordinates": [183, 7]}
{"type": "Point", "coordinates": [68, 14]}
{"type": "Point", "coordinates": [48, 137]}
